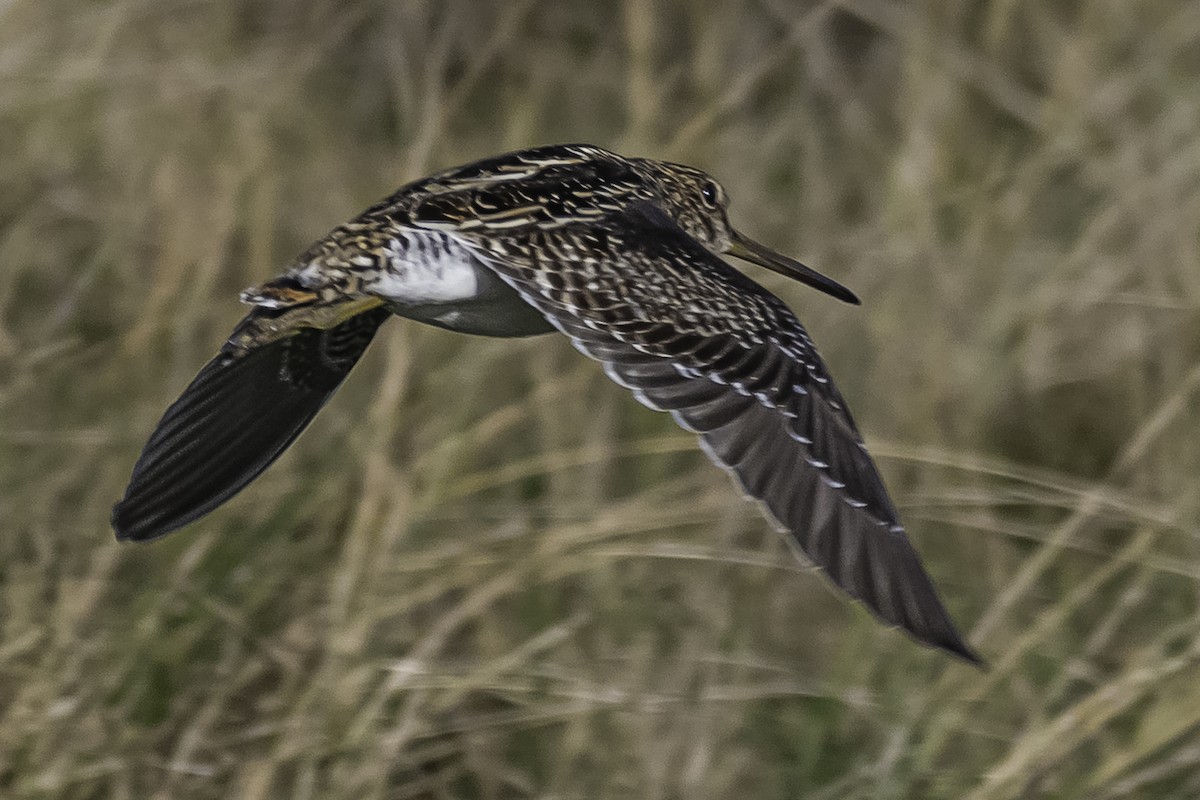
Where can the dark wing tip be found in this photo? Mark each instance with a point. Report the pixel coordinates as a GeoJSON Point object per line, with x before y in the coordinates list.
{"type": "Point", "coordinates": [232, 421]}
{"type": "Point", "coordinates": [227, 426]}
{"type": "Point", "coordinates": [128, 527]}
{"type": "Point", "coordinates": [961, 649]}
{"type": "Point", "coordinates": [909, 600]}
{"type": "Point", "coordinates": [949, 640]}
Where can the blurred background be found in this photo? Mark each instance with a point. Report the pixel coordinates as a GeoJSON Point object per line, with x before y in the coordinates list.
{"type": "Point", "coordinates": [486, 572]}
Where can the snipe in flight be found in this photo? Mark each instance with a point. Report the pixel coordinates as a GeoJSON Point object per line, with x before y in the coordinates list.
{"type": "Point", "coordinates": [620, 254]}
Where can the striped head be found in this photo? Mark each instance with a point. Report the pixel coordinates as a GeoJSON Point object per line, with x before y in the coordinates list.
{"type": "Point", "coordinates": [701, 207]}
{"type": "Point", "coordinates": [694, 199]}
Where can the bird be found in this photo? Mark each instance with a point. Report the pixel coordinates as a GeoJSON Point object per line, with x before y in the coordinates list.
{"type": "Point", "coordinates": [622, 255]}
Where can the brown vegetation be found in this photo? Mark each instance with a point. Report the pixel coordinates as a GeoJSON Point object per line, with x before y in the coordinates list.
{"type": "Point", "coordinates": [486, 572]}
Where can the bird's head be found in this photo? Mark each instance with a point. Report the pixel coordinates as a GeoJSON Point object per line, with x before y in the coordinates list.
{"type": "Point", "coordinates": [700, 205]}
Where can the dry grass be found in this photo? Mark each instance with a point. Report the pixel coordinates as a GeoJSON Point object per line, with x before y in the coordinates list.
{"type": "Point", "coordinates": [486, 572]}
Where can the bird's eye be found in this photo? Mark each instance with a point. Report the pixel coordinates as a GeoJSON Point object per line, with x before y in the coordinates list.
{"type": "Point", "coordinates": [710, 193]}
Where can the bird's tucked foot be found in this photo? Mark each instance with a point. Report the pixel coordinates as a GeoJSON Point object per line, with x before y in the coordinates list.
{"type": "Point", "coordinates": [284, 307]}
{"type": "Point", "coordinates": [282, 292]}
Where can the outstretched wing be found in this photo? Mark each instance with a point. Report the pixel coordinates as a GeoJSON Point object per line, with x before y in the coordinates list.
{"type": "Point", "coordinates": [690, 335]}
{"type": "Point", "coordinates": [235, 418]}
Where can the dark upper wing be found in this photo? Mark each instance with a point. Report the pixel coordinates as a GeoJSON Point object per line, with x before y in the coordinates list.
{"type": "Point", "coordinates": [693, 336]}
{"type": "Point", "coordinates": [234, 419]}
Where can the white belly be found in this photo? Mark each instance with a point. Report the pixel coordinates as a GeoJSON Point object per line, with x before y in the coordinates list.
{"type": "Point", "coordinates": [427, 269]}
{"type": "Point", "coordinates": [432, 278]}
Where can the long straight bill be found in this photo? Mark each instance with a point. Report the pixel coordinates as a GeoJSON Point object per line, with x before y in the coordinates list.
{"type": "Point", "coordinates": [746, 248]}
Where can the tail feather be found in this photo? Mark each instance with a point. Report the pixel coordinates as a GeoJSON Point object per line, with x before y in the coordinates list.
{"type": "Point", "coordinates": [235, 418]}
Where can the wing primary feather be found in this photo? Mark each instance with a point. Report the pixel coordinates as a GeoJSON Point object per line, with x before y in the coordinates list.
{"type": "Point", "coordinates": [233, 420]}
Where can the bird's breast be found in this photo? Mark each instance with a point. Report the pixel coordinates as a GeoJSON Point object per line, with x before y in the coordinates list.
{"type": "Point", "coordinates": [425, 268]}
{"type": "Point", "coordinates": [433, 278]}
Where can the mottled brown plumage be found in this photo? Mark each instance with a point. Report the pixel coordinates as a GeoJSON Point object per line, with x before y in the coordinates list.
{"type": "Point", "coordinates": [621, 255]}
